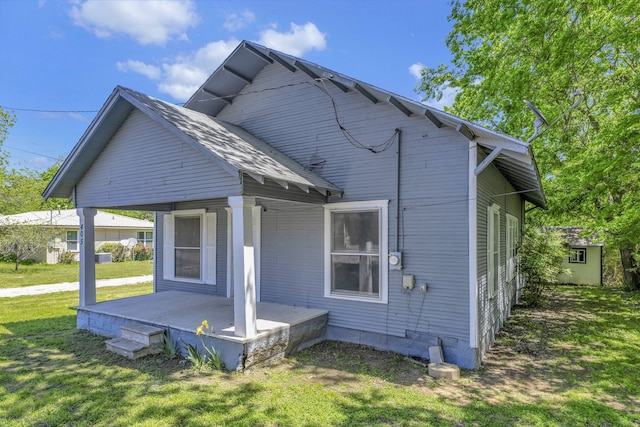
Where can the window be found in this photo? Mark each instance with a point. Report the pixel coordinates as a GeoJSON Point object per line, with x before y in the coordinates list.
{"type": "Point", "coordinates": [356, 251]}
{"type": "Point", "coordinates": [513, 239]}
{"type": "Point", "coordinates": [493, 248]}
{"type": "Point", "coordinates": [189, 249]}
{"type": "Point", "coordinates": [145, 238]}
{"type": "Point", "coordinates": [72, 240]}
{"type": "Point", "coordinates": [578, 256]}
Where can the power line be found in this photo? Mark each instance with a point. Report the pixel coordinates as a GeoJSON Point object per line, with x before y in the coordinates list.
{"type": "Point", "coordinates": [33, 110]}
{"type": "Point", "coordinates": [31, 152]}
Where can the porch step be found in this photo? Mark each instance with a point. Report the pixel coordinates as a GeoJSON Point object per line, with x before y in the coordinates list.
{"type": "Point", "coordinates": [143, 334]}
{"type": "Point", "coordinates": [137, 341]}
{"type": "Point", "coordinates": [131, 349]}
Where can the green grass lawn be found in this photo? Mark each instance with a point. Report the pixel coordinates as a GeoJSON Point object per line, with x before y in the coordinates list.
{"type": "Point", "coordinates": [40, 274]}
{"type": "Point", "coordinates": [572, 363]}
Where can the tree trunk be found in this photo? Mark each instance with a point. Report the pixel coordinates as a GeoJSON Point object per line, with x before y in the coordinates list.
{"type": "Point", "coordinates": [629, 268]}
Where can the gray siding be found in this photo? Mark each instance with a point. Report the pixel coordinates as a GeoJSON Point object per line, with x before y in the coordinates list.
{"type": "Point", "coordinates": [220, 288]}
{"type": "Point", "coordinates": [300, 122]}
{"type": "Point", "coordinates": [492, 312]}
{"type": "Point", "coordinates": [164, 169]}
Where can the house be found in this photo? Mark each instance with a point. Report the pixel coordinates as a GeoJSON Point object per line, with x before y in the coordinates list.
{"type": "Point", "coordinates": [109, 228]}
{"type": "Point", "coordinates": [584, 263]}
{"type": "Point", "coordinates": [284, 183]}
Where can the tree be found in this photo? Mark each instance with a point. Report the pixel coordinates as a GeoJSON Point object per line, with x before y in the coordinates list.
{"type": "Point", "coordinates": [19, 242]}
{"type": "Point", "coordinates": [22, 190]}
{"type": "Point", "coordinates": [506, 51]}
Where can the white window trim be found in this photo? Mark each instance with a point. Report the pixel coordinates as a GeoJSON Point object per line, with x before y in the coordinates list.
{"type": "Point", "coordinates": [383, 207]}
{"type": "Point", "coordinates": [493, 277]}
{"type": "Point", "coordinates": [573, 259]}
{"type": "Point", "coordinates": [76, 241]}
{"type": "Point", "coordinates": [513, 238]}
{"type": "Point", "coordinates": [207, 246]}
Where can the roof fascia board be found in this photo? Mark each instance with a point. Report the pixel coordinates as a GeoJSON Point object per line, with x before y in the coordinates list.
{"type": "Point", "coordinates": [76, 151]}
{"type": "Point", "coordinates": [179, 134]}
{"type": "Point", "coordinates": [256, 52]}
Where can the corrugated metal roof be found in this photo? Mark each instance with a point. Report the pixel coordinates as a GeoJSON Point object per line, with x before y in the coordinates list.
{"type": "Point", "coordinates": [516, 161]}
{"type": "Point", "coordinates": [68, 218]}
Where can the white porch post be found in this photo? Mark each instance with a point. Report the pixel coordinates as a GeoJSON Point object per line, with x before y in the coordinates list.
{"type": "Point", "coordinates": [86, 241]}
{"type": "Point", "coordinates": [244, 291]}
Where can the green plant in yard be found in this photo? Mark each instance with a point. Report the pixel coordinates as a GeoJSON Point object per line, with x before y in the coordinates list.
{"type": "Point", "coordinates": [66, 257]}
{"type": "Point", "coordinates": [169, 345]}
{"type": "Point", "coordinates": [210, 357]}
{"type": "Point", "coordinates": [142, 253]}
{"type": "Point", "coordinates": [118, 252]}
{"type": "Point", "coordinates": [541, 255]}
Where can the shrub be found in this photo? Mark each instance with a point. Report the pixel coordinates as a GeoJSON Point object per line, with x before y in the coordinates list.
{"type": "Point", "coordinates": [118, 252]}
{"type": "Point", "coordinates": [142, 253]}
{"type": "Point", "coordinates": [66, 257]}
{"type": "Point", "coordinates": [541, 255]}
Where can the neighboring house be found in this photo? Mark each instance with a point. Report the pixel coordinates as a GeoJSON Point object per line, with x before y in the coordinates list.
{"type": "Point", "coordinates": [109, 228]}
{"type": "Point", "coordinates": [283, 182]}
{"type": "Point", "coordinates": [584, 262]}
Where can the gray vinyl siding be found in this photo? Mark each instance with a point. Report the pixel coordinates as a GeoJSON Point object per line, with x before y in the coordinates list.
{"type": "Point", "coordinates": [166, 168]}
{"type": "Point", "coordinates": [220, 288]}
{"type": "Point", "coordinates": [493, 311]}
{"type": "Point", "coordinates": [300, 122]}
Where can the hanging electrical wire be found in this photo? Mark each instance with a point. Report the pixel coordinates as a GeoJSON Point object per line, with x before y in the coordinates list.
{"type": "Point", "coordinates": [380, 148]}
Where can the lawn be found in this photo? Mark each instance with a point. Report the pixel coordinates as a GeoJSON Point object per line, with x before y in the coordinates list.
{"type": "Point", "coordinates": [41, 274]}
{"type": "Point", "coordinates": [572, 363]}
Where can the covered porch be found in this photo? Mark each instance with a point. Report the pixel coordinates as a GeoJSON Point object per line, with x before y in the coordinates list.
{"type": "Point", "coordinates": [280, 329]}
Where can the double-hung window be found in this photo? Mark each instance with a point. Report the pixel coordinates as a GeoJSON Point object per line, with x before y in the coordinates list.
{"type": "Point", "coordinates": [356, 250]}
{"type": "Point", "coordinates": [145, 238]}
{"type": "Point", "coordinates": [189, 246]}
{"type": "Point", "coordinates": [513, 238]}
{"type": "Point", "coordinates": [72, 240]}
{"type": "Point", "coordinates": [493, 248]}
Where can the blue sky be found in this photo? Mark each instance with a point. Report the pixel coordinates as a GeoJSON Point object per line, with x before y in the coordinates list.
{"type": "Point", "coordinates": [64, 58]}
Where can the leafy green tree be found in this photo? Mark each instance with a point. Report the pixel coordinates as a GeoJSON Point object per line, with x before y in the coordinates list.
{"type": "Point", "coordinates": [19, 242]}
{"type": "Point", "coordinates": [506, 51]}
{"type": "Point", "coordinates": [541, 255]}
{"type": "Point", "coordinates": [22, 190]}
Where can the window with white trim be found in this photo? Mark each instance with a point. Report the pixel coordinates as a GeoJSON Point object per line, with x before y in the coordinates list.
{"type": "Point", "coordinates": [578, 256]}
{"type": "Point", "coordinates": [189, 246]}
{"type": "Point", "coordinates": [493, 248]}
{"type": "Point", "coordinates": [145, 238]}
{"type": "Point", "coordinates": [356, 250]}
{"type": "Point", "coordinates": [72, 240]}
{"type": "Point", "coordinates": [513, 240]}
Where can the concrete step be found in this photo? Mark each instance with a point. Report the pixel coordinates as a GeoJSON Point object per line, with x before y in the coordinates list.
{"type": "Point", "coordinates": [144, 334]}
{"type": "Point", "coordinates": [132, 349]}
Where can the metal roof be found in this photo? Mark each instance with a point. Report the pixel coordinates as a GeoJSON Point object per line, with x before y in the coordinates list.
{"type": "Point", "coordinates": [68, 218]}
{"type": "Point", "coordinates": [515, 161]}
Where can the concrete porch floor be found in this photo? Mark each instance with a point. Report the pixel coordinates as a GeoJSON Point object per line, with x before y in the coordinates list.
{"type": "Point", "coordinates": [282, 329]}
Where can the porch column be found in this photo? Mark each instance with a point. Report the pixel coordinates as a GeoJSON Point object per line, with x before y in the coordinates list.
{"type": "Point", "coordinates": [244, 291]}
{"type": "Point", "coordinates": [86, 242]}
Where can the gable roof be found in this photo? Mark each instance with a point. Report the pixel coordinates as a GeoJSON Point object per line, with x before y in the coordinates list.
{"type": "Point", "coordinates": [515, 159]}
{"type": "Point", "coordinates": [574, 236]}
{"type": "Point", "coordinates": [68, 218]}
{"type": "Point", "coordinates": [227, 145]}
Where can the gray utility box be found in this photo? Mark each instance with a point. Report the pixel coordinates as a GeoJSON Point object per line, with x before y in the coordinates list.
{"type": "Point", "coordinates": [103, 258]}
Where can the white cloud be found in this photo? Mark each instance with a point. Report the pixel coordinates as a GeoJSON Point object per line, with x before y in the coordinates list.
{"type": "Point", "coordinates": [182, 75]}
{"type": "Point", "coordinates": [297, 41]}
{"type": "Point", "coordinates": [416, 69]}
{"type": "Point", "coordinates": [147, 22]}
{"type": "Point", "coordinates": [150, 71]}
{"type": "Point", "coordinates": [235, 22]}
